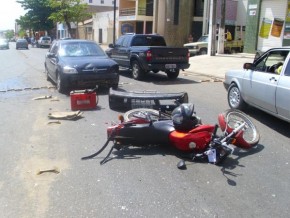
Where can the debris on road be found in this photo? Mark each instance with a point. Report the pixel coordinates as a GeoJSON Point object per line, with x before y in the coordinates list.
{"type": "Point", "coordinates": [43, 97]}
{"type": "Point", "coordinates": [65, 115]}
{"type": "Point", "coordinates": [53, 170]}
{"type": "Point", "coordinates": [54, 122]}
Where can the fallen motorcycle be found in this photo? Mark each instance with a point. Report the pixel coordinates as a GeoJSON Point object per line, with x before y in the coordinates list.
{"type": "Point", "coordinates": [183, 130]}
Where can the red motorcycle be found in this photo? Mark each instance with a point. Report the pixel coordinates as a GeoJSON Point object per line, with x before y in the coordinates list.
{"type": "Point", "coordinates": [183, 130]}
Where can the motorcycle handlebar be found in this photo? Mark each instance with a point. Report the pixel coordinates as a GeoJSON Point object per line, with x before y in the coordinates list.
{"type": "Point", "coordinates": [214, 132]}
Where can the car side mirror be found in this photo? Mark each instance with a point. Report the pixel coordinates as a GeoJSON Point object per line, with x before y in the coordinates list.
{"type": "Point", "coordinates": [50, 55]}
{"type": "Point", "coordinates": [111, 45]}
{"type": "Point", "coordinates": [248, 66]}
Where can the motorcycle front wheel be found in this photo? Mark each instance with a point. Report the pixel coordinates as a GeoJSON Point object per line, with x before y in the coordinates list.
{"type": "Point", "coordinates": [232, 118]}
{"type": "Point", "coordinates": [145, 113]}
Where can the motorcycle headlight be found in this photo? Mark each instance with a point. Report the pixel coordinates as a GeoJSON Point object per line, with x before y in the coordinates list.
{"type": "Point", "coordinates": [69, 70]}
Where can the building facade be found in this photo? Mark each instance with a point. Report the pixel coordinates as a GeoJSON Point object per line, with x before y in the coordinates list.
{"type": "Point", "coordinates": [174, 19]}
{"type": "Point", "coordinates": [177, 19]}
{"type": "Point", "coordinates": [268, 25]}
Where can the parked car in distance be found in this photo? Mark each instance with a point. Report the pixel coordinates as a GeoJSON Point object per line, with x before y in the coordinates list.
{"type": "Point", "coordinates": [4, 43]}
{"type": "Point", "coordinates": [263, 84]}
{"type": "Point", "coordinates": [80, 63]}
{"type": "Point", "coordinates": [21, 43]}
{"type": "Point", "coordinates": [44, 41]}
{"type": "Point", "coordinates": [201, 46]}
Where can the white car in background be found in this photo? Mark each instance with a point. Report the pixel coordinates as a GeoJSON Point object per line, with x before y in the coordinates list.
{"type": "Point", "coordinates": [44, 41]}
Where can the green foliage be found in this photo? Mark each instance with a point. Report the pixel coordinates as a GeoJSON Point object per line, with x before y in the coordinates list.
{"type": "Point", "coordinates": [21, 33]}
{"type": "Point", "coordinates": [67, 11]}
{"type": "Point", "coordinates": [9, 34]}
{"type": "Point", "coordinates": [42, 14]}
{"type": "Point", "coordinates": [37, 16]}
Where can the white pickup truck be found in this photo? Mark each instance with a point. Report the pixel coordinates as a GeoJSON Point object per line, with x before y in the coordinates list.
{"type": "Point", "coordinates": [200, 47]}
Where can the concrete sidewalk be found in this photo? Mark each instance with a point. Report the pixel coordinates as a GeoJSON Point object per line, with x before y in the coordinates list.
{"type": "Point", "coordinates": [216, 66]}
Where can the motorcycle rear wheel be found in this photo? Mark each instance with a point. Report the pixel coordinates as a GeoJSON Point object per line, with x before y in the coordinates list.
{"type": "Point", "coordinates": [141, 113]}
{"type": "Point", "coordinates": [232, 118]}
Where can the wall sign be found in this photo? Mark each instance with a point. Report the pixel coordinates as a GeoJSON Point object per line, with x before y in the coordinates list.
{"type": "Point", "coordinates": [252, 12]}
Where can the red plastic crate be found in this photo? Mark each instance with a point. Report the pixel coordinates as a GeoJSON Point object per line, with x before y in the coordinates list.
{"type": "Point", "coordinates": [83, 99]}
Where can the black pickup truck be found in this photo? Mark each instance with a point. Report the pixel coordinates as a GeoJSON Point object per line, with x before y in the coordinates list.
{"type": "Point", "coordinates": [143, 53]}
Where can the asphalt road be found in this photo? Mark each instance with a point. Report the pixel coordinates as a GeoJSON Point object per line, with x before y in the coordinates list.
{"type": "Point", "coordinates": [135, 182]}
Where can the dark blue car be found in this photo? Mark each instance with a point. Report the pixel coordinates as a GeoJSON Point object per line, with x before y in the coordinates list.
{"type": "Point", "coordinates": [80, 64]}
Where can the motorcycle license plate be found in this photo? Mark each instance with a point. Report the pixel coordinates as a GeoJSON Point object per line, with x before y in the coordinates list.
{"type": "Point", "coordinates": [211, 155]}
{"type": "Point", "coordinates": [170, 66]}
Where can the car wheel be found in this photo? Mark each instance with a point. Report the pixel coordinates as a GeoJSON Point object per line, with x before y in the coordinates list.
{"type": "Point", "coordinates": [235, 99]}
{"type": "Point", "coordinates": [59, 84]}
{"type": "Point", "coordinates": [137, 72]}
{"type": "Point", "coordinates": [172, 74]}
{"type": "Point", "coordinates": [203, 51]}
{"type": "Point", "coordinates": [115, 86]}
{"type": "Point", "coordinates": [47, 74]}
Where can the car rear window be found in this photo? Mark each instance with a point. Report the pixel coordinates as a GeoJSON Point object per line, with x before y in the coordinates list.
{"type": "Point", "coordinates": [148, 41]}
{"type": "Point", "coordinates": [45, 38]}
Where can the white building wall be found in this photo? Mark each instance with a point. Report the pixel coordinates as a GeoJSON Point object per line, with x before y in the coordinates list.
{"type": "Point", "coordinates": [242, 13]}
{"type": "Point", "coordinates": [105, 22]}
{"type": "Point", "coordinates": [241, 19]}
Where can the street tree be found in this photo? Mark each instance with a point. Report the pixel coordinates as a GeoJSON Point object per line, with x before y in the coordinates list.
{"type": "Point", "coordinates": [9, 34]}
{"type": "Point", "coordinates": [37, 15]}
{"type": "Point", "coordinates": [69, 11]}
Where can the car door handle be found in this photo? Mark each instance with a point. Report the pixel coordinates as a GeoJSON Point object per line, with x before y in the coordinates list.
{"type": "Point", "coordinates": [273, 78]}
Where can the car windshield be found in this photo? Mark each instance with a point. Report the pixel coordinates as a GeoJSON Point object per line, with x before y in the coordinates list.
{"type": "Point", "coordinates": [203, 39]}
{"type": "Point", "coordinates": [3, 41]}
{"type": "Point", "coordinates": [21, 40]}
{"type": "Point", "coordinates": [78, 49]}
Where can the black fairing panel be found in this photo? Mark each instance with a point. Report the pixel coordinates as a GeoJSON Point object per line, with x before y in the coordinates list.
{"type": "Point", "coordinates": [146, 134]}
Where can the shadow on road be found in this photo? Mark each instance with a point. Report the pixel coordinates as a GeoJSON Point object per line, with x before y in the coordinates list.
{"type": "Point", "coordinates": [158, 78]}
{"type": "Point", "coordinates": [232, 162]}
{"type": "Point", "coordinates": [272, 122]}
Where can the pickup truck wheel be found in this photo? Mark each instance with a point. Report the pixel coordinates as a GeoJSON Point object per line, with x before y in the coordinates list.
{"type": "Point", "coordinates": [172, 74]}
{"type": "Point", "coordinates": [60, 84]}
{"type": "Point", "coordinates": [114, 86]}
{"type": "Point", "coordinates": [203, 51]}
{"type": "Point", "coordinates": [235, 99]}
{"type": "Point", "coordinates": [137, 72]}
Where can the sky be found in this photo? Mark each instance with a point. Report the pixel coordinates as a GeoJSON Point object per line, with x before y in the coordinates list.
{"type": "Point", "coordinates": [9, 11]}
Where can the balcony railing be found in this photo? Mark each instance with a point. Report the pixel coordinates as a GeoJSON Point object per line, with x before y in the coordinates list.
{"type": "Point", "coordinates": [141, 11]}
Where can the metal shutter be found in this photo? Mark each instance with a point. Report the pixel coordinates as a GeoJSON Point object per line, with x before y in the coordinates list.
{"type": "Point", "coordinates": [269, 10]}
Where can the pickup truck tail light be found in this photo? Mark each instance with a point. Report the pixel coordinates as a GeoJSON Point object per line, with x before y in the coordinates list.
{"type": "Point", "coordinates": [148, 56]}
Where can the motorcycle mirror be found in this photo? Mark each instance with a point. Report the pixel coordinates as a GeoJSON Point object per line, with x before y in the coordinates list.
{"type": "Point", "coordinates": [181, 165]}
{"type": "Point", "coordinates": [121, 118]}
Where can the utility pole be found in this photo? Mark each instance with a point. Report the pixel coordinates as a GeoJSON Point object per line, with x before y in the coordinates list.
{"type": "Point", "coordinates": [114, 23]}
{"type": "Point", "coordinates": [212, 29]}
{"type": "Point", "coordinates": [221, 44]}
